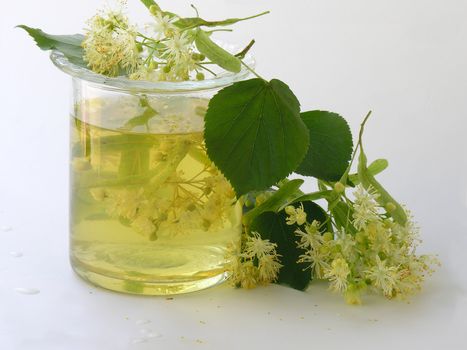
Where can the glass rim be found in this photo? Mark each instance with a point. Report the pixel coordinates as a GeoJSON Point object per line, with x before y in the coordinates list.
{"type": "Point", "coordinates": [223, 79]}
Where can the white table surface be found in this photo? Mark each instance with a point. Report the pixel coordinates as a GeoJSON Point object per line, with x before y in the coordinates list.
{"type": "Point", "coordinates": [405, 60]}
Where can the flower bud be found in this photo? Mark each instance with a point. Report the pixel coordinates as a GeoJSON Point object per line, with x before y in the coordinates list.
{"type": "Point", "coordinates": [248, 203]}
{"type": "Point", "coordinates": [153, 65]}
{"type": "Point", "coordinates": [339, 187]}
{"type": "Point", "coordinates": [199, 76]}
{"type": "Point", "coordinates": [290, 210]}
{"type": "Point", "coordinates": [198, 57]}
{"type": "Point", "coordinates": [328, 236]}
{"type": "Point", "coordinates": [390, 207]}
{"type": "Point", "coordinates": [154, 9]}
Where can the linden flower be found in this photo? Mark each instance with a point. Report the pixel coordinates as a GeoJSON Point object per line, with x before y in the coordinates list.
{"type": "Point", "coordinates": [311, 238]}
{"type": "Point", "coordinates": [99, 194]}
{"type": "Point", "coordinates": [365, 197]}
{"type": "Point", "coordinates": [338, 274]}
{"type": "Point", "coordinates": [257, 264]}
{"type": "Point", "coordinates": [110, 45]}
{"type": "Point", "coordinates": [346, 244]}
{"type": "Point", "coordinates": [365, 207]}
{"type": "Point", "coordinates": [268, 268]}
{"type": "Point", "coordinates": [248, 275]}
{"type": "Point", "coordinates": [256, 246]}
{"type": "Point", "coordinates": [295, 215]}
{"type": "Point", "coordinates": [181, 69]}
{"type": "Point", "coordinates": [352, 295]}
{"type": "Point", "coordinates": [318, 261]}
{"type": "Point", "coordinates": [164, 25]}
{"type": "Point", "coordinates": [383, 277]}
{"type": "Point", "coordinates": [144, 226]}
{"type": "Point", "coordinates": [177, 47]}
{"type": "Point", "coordinates": [125, 203]}
{"type": "Point", "coordinates": [379, 238]}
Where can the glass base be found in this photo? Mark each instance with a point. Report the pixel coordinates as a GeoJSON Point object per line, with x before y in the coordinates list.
{"type": "Point", "coordinates": [146, 287]}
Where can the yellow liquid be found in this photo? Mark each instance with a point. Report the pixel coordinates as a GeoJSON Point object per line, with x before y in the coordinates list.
{"type": "Point", "coordinates": [150, 214]}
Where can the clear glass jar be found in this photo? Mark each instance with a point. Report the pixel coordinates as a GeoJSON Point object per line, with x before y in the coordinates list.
{"type": "Point", "coordinates": [149, 212]}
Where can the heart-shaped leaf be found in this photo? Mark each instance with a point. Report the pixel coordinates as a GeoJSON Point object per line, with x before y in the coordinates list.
{"type": "Point", "coordinates": [254, 133]}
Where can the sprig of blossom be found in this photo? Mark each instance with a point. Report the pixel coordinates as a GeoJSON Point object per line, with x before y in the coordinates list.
{"type": "Point", "coordinates": [161, 52]}
{"type": "Point", "coordinates": [110, 44]}
{"type": "Point", "coordinates": [380, 256]}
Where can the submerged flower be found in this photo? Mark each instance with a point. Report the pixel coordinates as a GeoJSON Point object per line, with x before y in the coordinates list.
{"type": "Point", "coordinates": [144, 226]}
{"type": "Point", "coordinates": [125, 203]}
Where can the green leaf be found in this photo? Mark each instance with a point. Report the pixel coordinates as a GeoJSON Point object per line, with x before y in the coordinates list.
{"type": "Point", "coordinates": [330, 146]}
{"type": "Point", "coordinates": [376, 167]}
{"type": "Point", "coordinates": [280, 198]}
{"type": "Point", "coordinates": [273, 226]}
{"type": "Point", "coordinates": [216, 53]}
{"type": "Point", "coordinates": [193, 22]}
{"type": "Point", "coordinates": [69, 45]}
{"type": "Point", "coordinates": [254, 133]}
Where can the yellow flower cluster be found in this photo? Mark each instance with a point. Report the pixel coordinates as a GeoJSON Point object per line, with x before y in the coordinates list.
{"type": "Point", "coordinates": [162, 52]}
{"type": "Point", "coordinates": [110, 45]}
{"type": "Point", "coordinates": [258, 264]}
{"type": "Point", "coordinates": [380, 256]}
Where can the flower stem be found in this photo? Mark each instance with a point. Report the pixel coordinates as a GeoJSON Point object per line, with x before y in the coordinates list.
{"type": "Point", "coordinates": [207, 69]}
{"type": "Point", "coordinates": [252, 70]}
{"type": "Point", "coordinates": [255, 16]}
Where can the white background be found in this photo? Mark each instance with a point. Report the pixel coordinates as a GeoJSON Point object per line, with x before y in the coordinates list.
{"type": "Point", "coordinates": [404, 59]}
